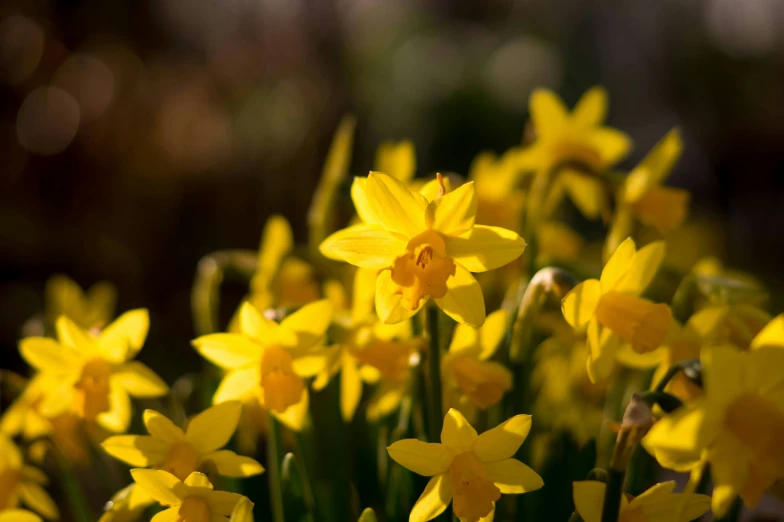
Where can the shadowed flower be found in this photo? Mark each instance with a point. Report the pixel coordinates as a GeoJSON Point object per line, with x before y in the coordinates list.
{"type": "Point", "coordinates": [469, 470]}
{"type": "Point", "coordinates": [91, 309]}
{"type": "Point", "coordinates": [20, 482]}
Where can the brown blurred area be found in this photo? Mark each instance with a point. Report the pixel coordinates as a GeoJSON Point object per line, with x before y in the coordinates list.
{"type": "Point", "coordinates": [136, 137]}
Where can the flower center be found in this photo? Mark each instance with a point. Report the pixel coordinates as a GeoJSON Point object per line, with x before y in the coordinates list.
{"type": "Point", "coordinates": [759, 424]}
{"type": "Point", "coordinates": [281, 386]}
{"type": "Point", "coordinates": [9, 480]}
{"type": "Point", "coordinates": [483, 383]}
{"type": "Point", "coordinates": [194, 509]}
{"type": "Point", "coordinates": [423, 269]}
{"type": "Point", "coordinates": [474, 492]}
{"type": "Point", "coordinates": [92, 390]}
{"type": "Point", "coordinates": [637, 321]}
{"type": "Point", "coordinates": [182, 460]}
{"type": "Point", "coordinates": [390, 358]}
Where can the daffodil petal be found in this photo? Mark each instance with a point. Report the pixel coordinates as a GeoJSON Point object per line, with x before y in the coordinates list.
{"type": "Point", "coordinates": [160, 485]}
{"type": "Point", "coordinates": [161, 427]}
{"type": "Point", "coordinates": [772, 335]}
{"type": "Point", "coordinates": [18, 515]}
{"type": "Point", "coordinates": [123, 339]}
{"type": "Point", "coordinates": [139, 380]}
{"type": "Point", "coordinates": [310, 322]}
{"type": "Point", "coordinates": [277, 241]}
{"type": "Point", "coordinates": [492, 332]}
{"type": "Point", "coordinates": [255, 326]}
{"type": "Point", "coordinates": [678, 431]}
{"type": "Point", "coordinates": [504, 440]}
{"type": "Point", "coordinates": [238, 384]}
{"type": "Point", "coordinates": [243, 511]}
{"type": "Point", "coordinates": [137, 450]}
{"type": "Point", "coordinates": [71, 334]}
{"type": "Point", "coordinates": [397, 208]}
{"type": "Point", "coordinates": [212, 428]}
{"type": "Point", "coordinates": [643, 268]}
{"type": "Point", "coordinates": [457, 433]}
{"type": "Point", "coordinates": [45, 354]}
{"type": "Point", "coordinates": [296, 416]}
{"type": "Point", "coordinates": [366, 246]}
{"type": "Point", "coordinates": [588, 193]}
{"type": "Point", "coordinates": [512, 476]}
{"type": "Point", "coordinates": [396, 159]}
{"type": "Point", "coordinates": [230, 464]}
{"type": "Point", "coordinates": [579, 305]}
{"type": "Point", "coordinates": [359, 197]}
{"type": "Point", "coordinates": [464, 301]}
{"type": "Point", "coordinates": [464, 338]}
{"type": "Point", "coordinates": [485, 248]}
{"type": "Point", "coordinates": [222, 503]}
{"type": "Point", "coordinates": [548, 112]}
{"type": "Point", "coordinates": [618, 264]}
{"type": "Point", "coordinates": [228, 350]}
{"type": "Point", "coordinates": [350, 388]}
{"type": "Point", "coordinates": [611, 144]}
{"type": "Point", "coordinates": [384, 401]}
{"type": "Point", "coordinates": [390, 305]}
{"type": "Point", "coordinates": [167, 515]}
{"type": "Point", "coordinates": [433, 500]}
{"type": "Point", "coordinates": [591, 109]}
{"type": "Point", "coordinates": [588, 496]}
{"type": "Point", "coordinates": [118, 417]}
{"type": "Point", "coordinates": [39, 500]}
{"type": "Point", "coordinates": [423, 458]}
{"type": "Point", "coordinates": [454, 213]}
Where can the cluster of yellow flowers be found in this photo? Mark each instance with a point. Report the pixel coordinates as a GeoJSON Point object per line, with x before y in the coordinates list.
{"type": "Point", "coordinates": [706, 359]}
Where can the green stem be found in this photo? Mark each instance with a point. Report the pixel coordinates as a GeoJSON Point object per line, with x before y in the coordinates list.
{"type": "Point", "coordinates": [435, 408]}
{"type": "Point", "coordinates": [307, 475]}
{"type": "Point", "coordinates": [274, 459]}
{"type": "Point", "coordinates": [611, 507]}
{"type": "Point", "coordinates": [80, 509]}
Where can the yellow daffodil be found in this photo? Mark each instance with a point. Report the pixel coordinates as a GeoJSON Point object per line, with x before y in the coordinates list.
{"type": "Point", "coordinates": [91, 309]}
{"type": "Point", "coordinates": [566, 399]}
{"type": "Point", "coordinates": [366, 350]}
{"type": "Point", "coordinates": [424, 249]}
{"type": "Point", "coordinates": [469, 470]}
{"type": "Point", "coordinates": [574, 146]}
{"type": "Point", "coordinates": [643, 196]}
{"type": "Point", "coordinates": [657, 504]}
{"type": "Point", "coordinates": [191, 500]}
{"type": "Point", "coordinates": [181, 452]}
{"type": "Point", "coordinates": [470, 379]}
{"type": "Point", "coordinates": [92, 374]}
{"type": "Point", "coordinates": [736, 425]}
{"type": "Point", "coordinates": [500, 201]}
{"type": "Point", "coordinates": [612, 310]}
{"type": "Point", "coordinates": [20, 482]}
{"type": "Point", "coordinates": [243, 511]}
{"type": "Point", "coordinates": [269, 361]}
{"type": "Point", "coordinates": [18, 515]}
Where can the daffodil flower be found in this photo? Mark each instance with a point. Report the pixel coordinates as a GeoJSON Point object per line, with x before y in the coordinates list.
{"type": "Point", "coordinates": [366, 350]}
{"type": "Point", "coordinates": [269, 361]}
{"type": "Point", "coordinates": [612, 310]}
{"type": "Point", "coordinates": [19, 481]}
{"type": "Point", "coordinates": [192, 500]}
{"type": "Point", "coordinates": [643, 196]}
{"type": "Point", "coordinates": [473, 380]}
{"type": "Point", "coordinates": [736, 425]}
{"type": "Point", "coordinates": [424, 249]}
{"type": "Point", "coordinates": [576, 145]}
{"type": "Point", "coordinates": [469, 470]}
{"type": "Point", "coordinates": [657, 504]}
{"type": "Point", "coordinates": [91, 309]}
{"type": "Point", "coordinates": [91, 373]}
{"type": "Point", "coordinates": [181, 452]}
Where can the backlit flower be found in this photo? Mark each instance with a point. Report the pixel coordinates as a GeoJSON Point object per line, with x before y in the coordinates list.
{"type": "Point", "coordinates": [270, 361]}
{"type": "Point", "coordinates": [424, 249]}
{"type": "Point", "coordinates": [469, 470]}
{"type": "Point", "coordinates": [612, 310]}
{"type": "Point", "coordinates": [22, 483]}
{"type": "Point", "coordinates": [91, 373]}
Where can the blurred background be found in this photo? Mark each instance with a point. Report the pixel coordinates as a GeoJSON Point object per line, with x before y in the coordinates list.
{"type": "Point", "coordinates": [136, 137]}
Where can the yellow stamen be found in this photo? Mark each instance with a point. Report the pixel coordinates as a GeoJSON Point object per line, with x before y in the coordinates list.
{"type": "Point", "coordinates": [422, 271]}
{"type": "Point", "coordinates": [282, 387]}
{"type": "Point", "coordinates": [441, 187]}
{"type": "Point", "coordinates": [92, 390]}
{"type": "Point", "coordinates": [759, 424]}
{"type": "Point", "coordinates": [9, 481]}
{"type": "Point", "coordinates": [662, 207]}
{"type": "Point", "coordinates": [637, 321]}
{"type": "Point", "coordinates": [182, 460]}
{"type": "Point", "coordinates": [390, 358]}
{"type": "Point", "coordinates": [474, 492]}
{"type": "Point", "coordinates": [484, 384]}
{"type": "Point", "coordinates": [194, 509]}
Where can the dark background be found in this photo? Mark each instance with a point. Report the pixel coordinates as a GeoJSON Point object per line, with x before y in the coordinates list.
{"type": "Point", "coordinates": [198, 119]}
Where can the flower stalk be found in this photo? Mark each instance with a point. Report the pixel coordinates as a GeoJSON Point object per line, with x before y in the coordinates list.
{"type": "Point", "coordinates": [435, 408]}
